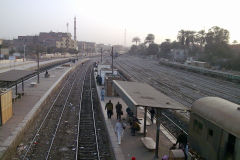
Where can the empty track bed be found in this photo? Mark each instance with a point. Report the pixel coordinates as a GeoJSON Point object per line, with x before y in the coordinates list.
{"type": "Point", "coordinates": [93, 143]}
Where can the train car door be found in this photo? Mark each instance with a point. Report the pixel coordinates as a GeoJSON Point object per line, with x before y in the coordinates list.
{"type": "Point", "coordinates": [230, 147]}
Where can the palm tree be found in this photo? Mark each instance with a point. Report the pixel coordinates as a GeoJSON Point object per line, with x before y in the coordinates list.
{"type": "Point", "coordinates": [136, 40]}
{"type": "Point", "coordinates": [150, 38]}
{"type": "Point", "coordinates": [181, 37]}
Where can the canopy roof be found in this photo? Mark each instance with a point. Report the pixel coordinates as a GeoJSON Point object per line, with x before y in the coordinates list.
{"type": "Point", "coordinates": [14, 75]}
{"type": "Point", "coordinates": [220, 112]}
{"type": "Point", "coordinates": [141, 94]}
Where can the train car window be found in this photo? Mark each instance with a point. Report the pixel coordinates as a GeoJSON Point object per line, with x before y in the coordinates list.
{"type": "Point", "coordinates": [210, 132]}
{"type": "Point", "coordinates": [197, 126]}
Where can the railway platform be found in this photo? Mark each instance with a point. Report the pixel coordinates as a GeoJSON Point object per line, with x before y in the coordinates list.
{"type": "Point", "coordinates": [27, 108]}
{"type": "Point", "coordinates": [132, 146]}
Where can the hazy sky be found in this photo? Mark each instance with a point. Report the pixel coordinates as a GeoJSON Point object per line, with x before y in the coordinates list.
{"type": "Point", "coordinates": [103, 21]}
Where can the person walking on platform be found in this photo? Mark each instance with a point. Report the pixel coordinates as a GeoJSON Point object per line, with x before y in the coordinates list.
{"type": "Point", "coordinates": [119, 130]}
{"type": "Point", "coordinates": [100, 80]}
{"type": "Point", "coordinates": [109, 107]}
{"type": "Point", "coordinates": [134, 125]}
{"type": "Point", "coordinates": [182, 140]}
{"type": "Point", "coordinates": [119, 110]}
{"type": "Point", "coordinates": [152, 112]}
{"type": "Point", "coordinates": [102, 94]}
{"type": "Point", "coordinates": [97, 78]}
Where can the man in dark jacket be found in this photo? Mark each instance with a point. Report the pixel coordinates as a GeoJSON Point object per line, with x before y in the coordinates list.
{"type": "Point", "coordinates": [119, 110]}
{"type": "Point", "coordinates": [182, 140]}
{"type": "Point", "coordinates": [109, 107]}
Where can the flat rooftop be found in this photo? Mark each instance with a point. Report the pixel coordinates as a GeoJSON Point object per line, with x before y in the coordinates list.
{"type": "Point", "coordinates": [142, 94]}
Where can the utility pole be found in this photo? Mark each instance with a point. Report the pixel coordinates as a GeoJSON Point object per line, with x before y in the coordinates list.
{"type": "Point", "coordinates": [112, 60]}
{"type": "Point", "coordinates": [125, 37]}
{"type": "Point", "coordinates": [101, 55]}
{"type": "Point", "coordinates": [38, 66]}
{"type": "Point", "coordinates": [24, 52]}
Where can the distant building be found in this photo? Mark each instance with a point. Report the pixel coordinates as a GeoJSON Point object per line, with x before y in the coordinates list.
{"type": "Point", "coordinates": [4, 52]}
{"type": "Point", "coordinates": [89, 47]}
{"type": "Point", "coordinates": [66, 42]}
{"type": "Point", "coordinates": [178, 55]}
{"type": "Point", "coordinates": [28, 41]}
{"type": "Point", "coordinates": [103, 47]}
{"type": "Point", "coordinates": [46, 40]}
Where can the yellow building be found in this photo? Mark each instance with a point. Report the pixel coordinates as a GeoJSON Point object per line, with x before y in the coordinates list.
{"type": "Point", "coordinates": [66, 42]}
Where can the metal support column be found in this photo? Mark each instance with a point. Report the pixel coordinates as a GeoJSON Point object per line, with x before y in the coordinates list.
{"type": "Point", "coordinates": [38, 67]}
{"type": "Point", "coordinates": [101, 55]}
{"type": "Point", "coordinates": [112, 60]}
{"type": "Point", "coordinates": [22, 86]}
{"type": "Point", "coordinates": [158, 131]}
{"type": "Point", "coordinates": [145, 120]}
{"type": "Point", "coordinates": [16, 88]}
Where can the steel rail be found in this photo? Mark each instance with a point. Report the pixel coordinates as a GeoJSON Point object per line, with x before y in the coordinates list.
{"type": "Point", "coordinates": [94, 124]}
{"type": "Point", "coordinates": [59, 120]}
{"type": "Point", "coordinates": [79, 114]}
{"type": "Point", "coordinates": [94, 120]}
{"type": "Point", "coordinates": [40, 127]}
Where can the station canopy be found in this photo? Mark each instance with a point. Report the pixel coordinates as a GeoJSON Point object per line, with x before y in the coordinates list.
{"type": "Point", "coordinates": [14, 75]}
{"type": "Point", "coordinates": [141, 94]}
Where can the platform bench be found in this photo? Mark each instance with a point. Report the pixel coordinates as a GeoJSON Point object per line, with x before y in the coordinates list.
{"type": "Point", "coordinates": [141, 131]}
{"type": "Point", "coordinates": [14, 98]}
{"type": "Point", "coordinates": [149, 143]}
{"type": "Point", "coordinates": [33, 84]}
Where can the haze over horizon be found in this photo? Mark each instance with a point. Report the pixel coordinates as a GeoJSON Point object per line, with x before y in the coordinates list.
{"type": "Point", "coordinates": [104, 21]}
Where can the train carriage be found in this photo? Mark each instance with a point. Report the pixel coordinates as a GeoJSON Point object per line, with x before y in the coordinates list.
{"type": "Point", "coordinates": [214, 129]}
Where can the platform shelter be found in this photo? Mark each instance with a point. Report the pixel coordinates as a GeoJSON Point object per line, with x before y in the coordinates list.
{"type": "Point", "coordinates": [15, 76]}
{"type": "Point", "coordinates": [137, 94]}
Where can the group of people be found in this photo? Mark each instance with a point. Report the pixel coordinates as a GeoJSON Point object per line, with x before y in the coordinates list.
{"type": "Point", "coordinates": [120, 126]}
{"type": "Point", "coordinates": [109, 108]}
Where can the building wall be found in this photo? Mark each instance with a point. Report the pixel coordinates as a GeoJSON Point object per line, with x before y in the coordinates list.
{"type": "Point", "coordinates": [4, 51]}
{"type": "Point", "coordinates": [87, 46]}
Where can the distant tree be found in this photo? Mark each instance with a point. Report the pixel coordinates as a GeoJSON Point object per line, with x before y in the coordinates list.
{"type": "Point", "coordinates": [153, 49]}
{"type": "Point", "coordinates": [165, 48]}
{"type": "Point", "coordinates": [181, 37]}
{"type": "Point", "coordinates": [235, 42]}
{"type": "Point", "coordinates": [217, 35]}
{"type": "Point", "coordinates": [136, 40]}
{"type": "Point", "coordinates": [133, 49]}
{"type": "Point", "coordinates": [217, 50]}
{"type": "Point", "coordinates": [149, 39]}
{"type": "Point", "coordinates": [201, 38]}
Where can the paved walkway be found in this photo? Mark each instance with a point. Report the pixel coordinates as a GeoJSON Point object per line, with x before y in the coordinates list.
{"type": "Point", "coordinates": [25, 65]}
{"type": "Point", "coordinates": [132, 145]}
{"type": "Point", "coordinates": [25, 109]}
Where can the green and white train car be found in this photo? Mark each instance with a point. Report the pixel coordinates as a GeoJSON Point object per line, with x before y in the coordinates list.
{"type": "Point", "coordinates": [214, 129]}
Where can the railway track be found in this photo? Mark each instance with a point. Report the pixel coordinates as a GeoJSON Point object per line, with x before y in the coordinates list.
{"type": "Point", "coordinates": [73, 128]}
{"type": "Point", "coordinates": [92, 138]}
{"type": "Point", "coordinates": [41, 144]}
{"type": "Point", "coordinates": [182, 86]}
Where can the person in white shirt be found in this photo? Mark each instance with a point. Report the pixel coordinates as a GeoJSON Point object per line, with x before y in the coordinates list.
{"type": "Point", "coordinates": [119, 129]}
